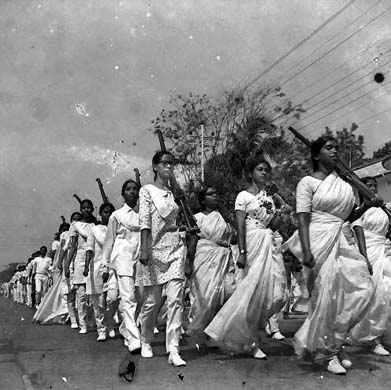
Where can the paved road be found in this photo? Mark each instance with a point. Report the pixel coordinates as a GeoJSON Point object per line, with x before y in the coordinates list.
{"type": "Point", "coordinates": [57, 357]}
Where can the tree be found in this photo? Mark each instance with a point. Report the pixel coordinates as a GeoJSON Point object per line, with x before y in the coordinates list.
{"type": "Point", "coordinates": [350, 145]}
{"type": "Point", "coordinates": [236, 124]}
{"type": "Point", "coordinates": [383, 151]}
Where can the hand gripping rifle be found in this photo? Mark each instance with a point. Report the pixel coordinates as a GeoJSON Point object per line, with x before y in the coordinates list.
{"type": "Point", "coordinates": [178, 193]}
{"type": "Point", "coordinates": [77, 198]}
{"type": "Point", "coordinates": [346, 173]}
{"type": "Point", "coordinates": [105, 199]}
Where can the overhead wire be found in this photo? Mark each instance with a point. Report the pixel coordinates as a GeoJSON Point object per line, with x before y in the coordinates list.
{"type": "Point", "coordinates": [339, 99]}
{"type": "Point", "coordinates": [307, 38]}
{"type": "Point", "coordinates": [381, 54]}
{"type": "Point", "coordinates": [337, 45]}
{"type": "Point", "coordinates": [341, 107]}
{"type": "Point", "coordinates": [336, 34]}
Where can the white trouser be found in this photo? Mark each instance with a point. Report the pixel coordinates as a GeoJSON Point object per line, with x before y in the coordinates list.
{"type": "Point", "coordinates": [152, 299]}
{"type": "Point", "coordinates": [29, 292]}
{"type": "Point", "coordinates": [81, 304]}
{"type": "Point", "coordinates": [273, 323]}
{"type": "Point", "coordinates": [40, 287]}
{"type": "Point", "coordinates": [98, 305]}
{"type": "Point", "coordinates": [71, 304]}
{"type": "Point", "coordinates": [128, 328]}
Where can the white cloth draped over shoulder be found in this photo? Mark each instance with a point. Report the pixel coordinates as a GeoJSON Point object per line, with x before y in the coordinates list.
{"type": "Point", "coordinates": [211, 285]}
{"type": "Point", "coordinates": [378, 318]}
{"type": "Point", "coordinates": [158, 213]}
{"type": "Point", "coordinates": [342, 286]}
{"type": "Point", "coordinates": [261, 289]}
{"type": "Point", "coordinates": [53, 308]}
{"type": "Point", "coordinates": [95, 242]}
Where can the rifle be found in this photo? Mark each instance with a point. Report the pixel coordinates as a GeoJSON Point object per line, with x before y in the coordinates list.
{"type": "Point", "coordinates": [105, 199]}
{"type": "Point", "coordinates": [177, 191]}
{"type": "Point", "coordinates": [346, 173]}
{"type": "Point", "coordinates": [77, 198]}
{"type": "Point", "coordinates": [63, 219]}
{"type": "Point", "coordinates": [137, 174]}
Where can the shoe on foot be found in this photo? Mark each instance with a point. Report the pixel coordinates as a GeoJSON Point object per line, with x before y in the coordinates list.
{"type": "Point", "coordinates": [278, 336]}
{"type": "Point", "coordinates": [83, 331]}
{"type": "Point", "coordinates": [380, 350]}
{"type": "Point", "coordinates": [155, 330]}
{"type": "Point", "coordinates": [101, 337]}
{"type": "Point", "coordinates": [146, 351]}
{"type": "Point", "coordinates": [258, 354]}
{"type": "Point", "coordinates": [176, 360]}
{"type": "Point", "coordinates": [335, 366]}
{"type": "Point", "coordinates": [74, 325]}
{"type": "Point", "coordinates": [345, 360]}
{"type": "Point", "coordinates": [112, 333]}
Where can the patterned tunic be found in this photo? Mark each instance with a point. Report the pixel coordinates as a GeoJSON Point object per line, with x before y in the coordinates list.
{"type": "Point", "coordinates": [158, 213]}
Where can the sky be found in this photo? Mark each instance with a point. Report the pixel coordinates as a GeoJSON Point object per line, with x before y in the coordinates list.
{"type": "Point", "coordinates": [80, 82]}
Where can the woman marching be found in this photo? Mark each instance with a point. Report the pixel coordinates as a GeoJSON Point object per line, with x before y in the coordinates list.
{"type": "Point", "coordinates": [53, 308]}
{"type": "Point", "coordinates": [76, 255]}
{"type": "Point", "coordinates": [162, 259]}
{"type": "Point", "coordinates": [377, 321]}
{"type": "Point", "coordinates": [120, 254]}
{"type": "Point", "coordinates": [211, 283]}
{"type": "Point", "coordinates": [93, 268]}
{"type": "Point", "coordinates": [261, 290]}
{"type": "Point", "coordinates": [338, 279]}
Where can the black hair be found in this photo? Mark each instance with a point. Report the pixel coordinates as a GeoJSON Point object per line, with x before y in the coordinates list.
{"type": "Point", "coordinates": [74, 214]}
{"type": "Point", "coordinates": [201, 195]}
{"type": "Point", "coordinates": [316, 147]}
{"type": "Point", "coordinates": [88, 201]}
{"type": "Point", "coordinates": [157, 157]}
{"type": "Point", "coordinates": [104, 205]}
{"type": "Point", "coordinates": [64, 227]}
{"type": "Point", "coordinates": [43, 247]}
{"type": "Point", "coordinates": [367, 179]}
{"type": "Point", "coordinates": [126, 183]}
{"type": "Point", "coordinates": [253, 161]}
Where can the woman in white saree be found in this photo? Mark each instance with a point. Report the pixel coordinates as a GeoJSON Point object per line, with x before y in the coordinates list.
{"type": "Point", "coordinates": [211, 282]}
{"type": "Point", "coordinates": [54, 308]}
{"type": "Point", "coordinates": [337, 275]}
{"type": "Point", "coordinates": [377, 321]}
{"type": "Point", "coordinates": [261, 289]}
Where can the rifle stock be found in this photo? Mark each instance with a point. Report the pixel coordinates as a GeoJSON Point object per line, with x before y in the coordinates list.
{"type": "Point", "coordinates": [77, 198]}
{"type": "Point", "coordinates": [137, 174]}
{"type": "Point", "coordinates": [177, 191]}
{"type": "Point", "coordinates": [105, 199]}
{"type": "Point", "coordinates": [346, 173]}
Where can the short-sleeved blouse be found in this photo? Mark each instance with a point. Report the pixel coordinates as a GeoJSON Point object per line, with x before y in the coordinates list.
{"type": "Point", "coordinates": [259, 208]}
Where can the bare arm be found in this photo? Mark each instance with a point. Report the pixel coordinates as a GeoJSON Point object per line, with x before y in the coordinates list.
{"type": "Point", "coordinates": [303, 220]}
{"type": "Point", "coordinates": [359, 231]}
{"type": "Point", "coordinates": [145, 239]}
{"type": "Point", "coordinates": [70, 256]}
{"type": "Point", "coordinates": [240, 217]}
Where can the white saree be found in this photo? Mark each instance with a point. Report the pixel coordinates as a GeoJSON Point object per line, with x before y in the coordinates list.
{"type": "Point", "coordinates": [261, 289]}
{"type": "Point", "coordinates": [340, 281]}
{"type": "Point", "coordinates": [210, 284]}
{"type": "Point", "coordinates": [378, 317]}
